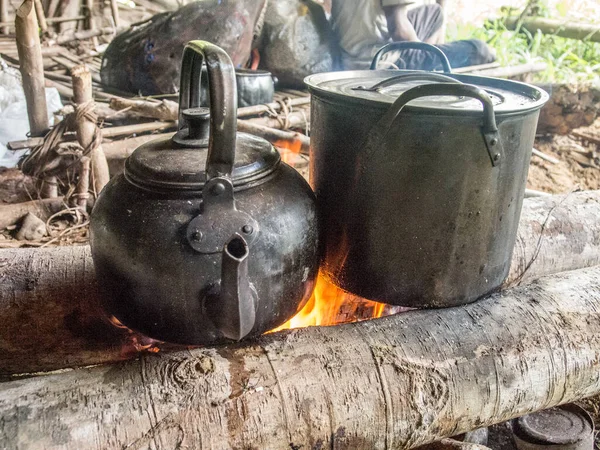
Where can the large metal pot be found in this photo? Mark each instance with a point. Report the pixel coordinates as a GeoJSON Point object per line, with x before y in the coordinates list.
{"type": "Point", "coordinates": [419, 180]}
{"type": "Point", "coordinates": [198, 255]}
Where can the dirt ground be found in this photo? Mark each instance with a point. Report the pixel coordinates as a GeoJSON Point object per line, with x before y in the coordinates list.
{"type": "Point", "coordinates": [578, 165]}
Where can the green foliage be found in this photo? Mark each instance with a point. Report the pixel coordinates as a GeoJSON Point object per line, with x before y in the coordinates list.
{"type": "Point", "coordinates": [569, 60]}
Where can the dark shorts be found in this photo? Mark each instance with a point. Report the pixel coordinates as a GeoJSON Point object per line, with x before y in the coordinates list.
{"type": "Point", "coordinates": [427, 20]}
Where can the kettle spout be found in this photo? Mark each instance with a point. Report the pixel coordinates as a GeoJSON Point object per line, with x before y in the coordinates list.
{"type": "Point", "coordinates": [233, 310]}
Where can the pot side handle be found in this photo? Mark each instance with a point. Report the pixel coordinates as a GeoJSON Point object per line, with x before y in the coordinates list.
{"type": "Point", "coordinates": [408, 45]}
{"type": "Point", "coordinates": [489, 129]}
{"type": "Point", "coordinates": [223, 102]}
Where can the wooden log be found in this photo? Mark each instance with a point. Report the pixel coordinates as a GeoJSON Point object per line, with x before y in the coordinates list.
{"type": "Point", "coordinates": [69, 8]}
{"type": "Point", "coordinates": [550, 242]}
{"type": "Point", "coordinates": [87, 128]}
{"type": "Point", "coordinates": [48, 297]}
{"type": "Point", "coordinates": [511, 71]}
{"type": "Point", "coordinates": [567, 29]}
{"type": "Point", "coordinates": [4, 6]}
{"type": "Point", "coordinates": [41, 17]}
{"type": "Point", "coordinates": [83, 183]}
{"type": "Point", "coordinates": [31, 66]}
{"type": "Point", "coordinates": [396, 382]}
{"type": "Point", "coordinates": [12, 213]}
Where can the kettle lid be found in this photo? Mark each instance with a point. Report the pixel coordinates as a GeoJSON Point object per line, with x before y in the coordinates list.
{"type": "Point", "coordinates": [179, 162]}
{"type": "Point", "coordinates": [207, 145]}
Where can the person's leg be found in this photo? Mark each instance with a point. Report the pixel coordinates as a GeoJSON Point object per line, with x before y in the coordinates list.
{"type": "Point", "coordinates": [470, 52]}
{"type": "Point", "coordinates": [428, 22]}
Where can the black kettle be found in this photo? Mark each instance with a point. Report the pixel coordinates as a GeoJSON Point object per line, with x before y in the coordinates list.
{"type": "Point", "coordinates": [207, 236]}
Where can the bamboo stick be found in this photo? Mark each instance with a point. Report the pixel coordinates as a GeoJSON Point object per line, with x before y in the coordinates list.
{"type": "Point", "coordinates": [86, 129]}
{"type": "Point", "coordinates": [277, 137]}
{"type": "Point", "coordinates": [83, 183]}
{"type": "Point", "coordinates": [31, 66]}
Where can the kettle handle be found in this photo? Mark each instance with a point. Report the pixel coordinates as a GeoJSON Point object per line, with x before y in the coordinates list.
{"type": "Point", "coordinates": [223, 102]}
{"type": "Point", "coordinates": [407, 45]}
{"type": "Point", "coordinates": [489, 129]}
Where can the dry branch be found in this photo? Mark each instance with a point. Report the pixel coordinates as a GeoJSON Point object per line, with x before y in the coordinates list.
{"type": "Point", "coordinates": [47, 296]}
{"type": "Point", "coordinates": [396, 382]}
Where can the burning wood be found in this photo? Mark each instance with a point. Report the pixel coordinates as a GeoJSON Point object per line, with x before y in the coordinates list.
{"type": "Point", "coordinates": [53, 291]}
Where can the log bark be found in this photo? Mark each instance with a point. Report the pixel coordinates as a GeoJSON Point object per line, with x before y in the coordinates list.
{"type": "Point", "coordinates": [48, 297]}
{"type": "Point", "coordinates": [396, 382]}
{"type": "Point", "coordinates": [579, 31]}
{"type": "Point", "coordinates": [32, 67]}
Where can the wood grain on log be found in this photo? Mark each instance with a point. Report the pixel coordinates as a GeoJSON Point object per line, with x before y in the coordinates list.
{"type": "Point", "coordinates": [48, 296]}
{"type": "Point", "coordinates": [395, 382]}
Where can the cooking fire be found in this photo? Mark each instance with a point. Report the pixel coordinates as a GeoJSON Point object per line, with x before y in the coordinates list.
{"type": "Point", "coordinates": [208, 206]}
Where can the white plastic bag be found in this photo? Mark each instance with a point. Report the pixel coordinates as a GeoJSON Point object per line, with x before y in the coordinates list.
{"type": "Point", "coordinates": [14, 124]}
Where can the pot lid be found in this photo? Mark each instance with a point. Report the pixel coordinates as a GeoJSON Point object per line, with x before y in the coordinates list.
{"type": "Point", "coordinates": [179, 162]}
{"type": "Point", "coordinates": [380, 88]}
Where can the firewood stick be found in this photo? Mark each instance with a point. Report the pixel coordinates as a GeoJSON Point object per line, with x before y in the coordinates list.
{"type": "Point", "coordinates": [56, 20]}
{"type": "Point", "coordinates": [4, 5]}
{"type": "Point", "coordinates": [545, 157]}
{"type": "Point", "coordinates": [114, 8]}
{"type": "Point", "coordinates": [168, 109]}
{"type": "Point", "coordinates": [395, 383]}
{"type": "Point", "coordinates": [41, 17]}
{"type": "Point", "coordinates": [82, 35]}
{"type": "Point", "coordinates": [31, 66]}
{"type": "Point", "coordinates": [277, 137]}
{"type": "Point", "coordinates": [10, 214]}
{"type": "Point", "coordinates": [125, 130]}
{"type": "Point", "coordinates": [86, 129]}
{"type": "Point", "coordinates": [62, 329]}
{"type": "Point", "coordinates": [83, 184]}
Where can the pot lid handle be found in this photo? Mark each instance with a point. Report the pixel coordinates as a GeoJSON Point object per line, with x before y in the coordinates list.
{"type": "Point", "coordinates": [223, 102]}
{"type": "Point", "coordinates": [489, 130]}
{"type": "Point", "coordinates": [406, 45]}
{"type": "Point", "coordinates": [418, 76]}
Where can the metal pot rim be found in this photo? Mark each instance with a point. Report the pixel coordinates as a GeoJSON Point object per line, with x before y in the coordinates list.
{"type": "Point", "coordinates": [538, 97]}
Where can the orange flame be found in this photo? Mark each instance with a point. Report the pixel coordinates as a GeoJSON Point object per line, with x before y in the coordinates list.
{"type": "Point", "coordinates": [330, 305]}
{"type": "Point", "coordinates": [290, 153]}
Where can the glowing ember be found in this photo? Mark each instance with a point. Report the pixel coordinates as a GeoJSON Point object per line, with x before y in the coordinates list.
{"type": "Point", "coordinates": [329, 305]}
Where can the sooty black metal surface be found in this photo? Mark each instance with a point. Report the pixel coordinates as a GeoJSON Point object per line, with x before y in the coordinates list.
{"type": "Point", "coordinates": [419, 204]}
{"type": "Point", "coordinates": [198, 256]}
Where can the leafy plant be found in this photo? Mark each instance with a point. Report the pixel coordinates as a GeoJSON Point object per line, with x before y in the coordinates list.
{"type": "Point", "coordinates": [568, 60]}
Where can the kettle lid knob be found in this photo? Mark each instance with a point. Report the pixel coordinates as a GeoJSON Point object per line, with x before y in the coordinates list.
{"type": "Point", "coordinates": [196, 131]}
